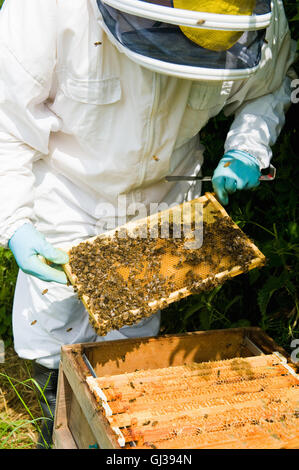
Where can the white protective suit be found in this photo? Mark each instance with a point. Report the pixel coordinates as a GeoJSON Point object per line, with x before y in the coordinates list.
{"type": "Point", "coordinates": [79, 126]}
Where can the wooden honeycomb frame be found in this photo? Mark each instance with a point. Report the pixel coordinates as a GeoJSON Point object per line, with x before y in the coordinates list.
{"type": "Point", "coordinates": [183, 292]}
{"type": "Point", "coordinates": [234, 403]}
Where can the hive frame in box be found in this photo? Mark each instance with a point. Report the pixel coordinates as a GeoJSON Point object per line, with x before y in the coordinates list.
{"type": "Point", "coordinates": [183, 292]}
{"type": "Point", "coordinates": [80, 421]}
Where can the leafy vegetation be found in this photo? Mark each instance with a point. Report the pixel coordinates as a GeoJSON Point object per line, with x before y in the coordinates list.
{"type": "Point", "coordinates": [267, 297]}
{"type": "Point", "coordinates": [8, 273]}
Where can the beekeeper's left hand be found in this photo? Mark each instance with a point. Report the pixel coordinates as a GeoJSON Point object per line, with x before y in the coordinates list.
{"type": "Point", "coordinates": [236, 170]}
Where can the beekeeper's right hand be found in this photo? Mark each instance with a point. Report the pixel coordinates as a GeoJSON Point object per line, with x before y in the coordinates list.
{"type": "Point", "coordinates": [26, 244]}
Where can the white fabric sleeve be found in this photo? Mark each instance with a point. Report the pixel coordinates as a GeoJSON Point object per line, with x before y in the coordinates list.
{"type": "Point", "coordinates": [260, 102]}
{"type": "Point", "coordinates": [258, 123]}
{"type": "Point", "coordinates": [27, 57]}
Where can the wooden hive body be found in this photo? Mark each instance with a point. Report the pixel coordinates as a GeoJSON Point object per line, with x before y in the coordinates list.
{"type": "Point", "coordinates": [215, 389]}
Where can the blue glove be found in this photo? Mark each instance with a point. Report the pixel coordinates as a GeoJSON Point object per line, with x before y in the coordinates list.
{"type": "Point", "coordinates": [26, 244]}
{"type": "Point", "coordinates": [236, 170]}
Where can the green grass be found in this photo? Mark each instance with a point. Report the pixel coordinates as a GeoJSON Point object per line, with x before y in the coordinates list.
{"type": "Point", "coordinates": [12, 436]}
{"type": "Point", "coordinates": [22, 395]}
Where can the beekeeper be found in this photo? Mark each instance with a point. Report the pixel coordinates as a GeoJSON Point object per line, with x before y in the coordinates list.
{"type": "Point", "coordinates": [103, 99]}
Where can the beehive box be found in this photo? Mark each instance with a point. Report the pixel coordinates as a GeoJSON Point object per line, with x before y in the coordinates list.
{"type": "Point", "coordinates": [230, 388]}
{"type": "Point", "coordinates": [129, 273]}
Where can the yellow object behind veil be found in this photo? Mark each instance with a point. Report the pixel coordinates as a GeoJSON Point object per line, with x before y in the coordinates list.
{"type": "Point", "coordinates": [212, 39]}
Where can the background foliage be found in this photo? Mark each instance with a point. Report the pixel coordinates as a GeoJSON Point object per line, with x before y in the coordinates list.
{"type": "Point", "coordinates": [266, 297]}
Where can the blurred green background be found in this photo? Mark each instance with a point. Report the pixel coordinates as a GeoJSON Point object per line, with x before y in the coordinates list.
{"type": "Point", "coordinates": [267, 297]}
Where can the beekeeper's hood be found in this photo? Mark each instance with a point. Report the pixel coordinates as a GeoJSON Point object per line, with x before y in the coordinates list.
{"type": "Point", "coordinates": [193, 39]}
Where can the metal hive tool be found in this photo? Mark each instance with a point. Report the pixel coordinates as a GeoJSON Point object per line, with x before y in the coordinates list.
{"type": "Point", "coordinates": [247, 402]}
{"type": "Point", "coordinates": [128, 273]}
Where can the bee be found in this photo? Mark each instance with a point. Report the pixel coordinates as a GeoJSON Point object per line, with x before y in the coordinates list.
{"type": "Point", "coordinates": [179, 265]}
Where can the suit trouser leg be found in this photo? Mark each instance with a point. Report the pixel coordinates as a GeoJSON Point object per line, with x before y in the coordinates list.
{"type": "Point", "coordinates": [47, 380]}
